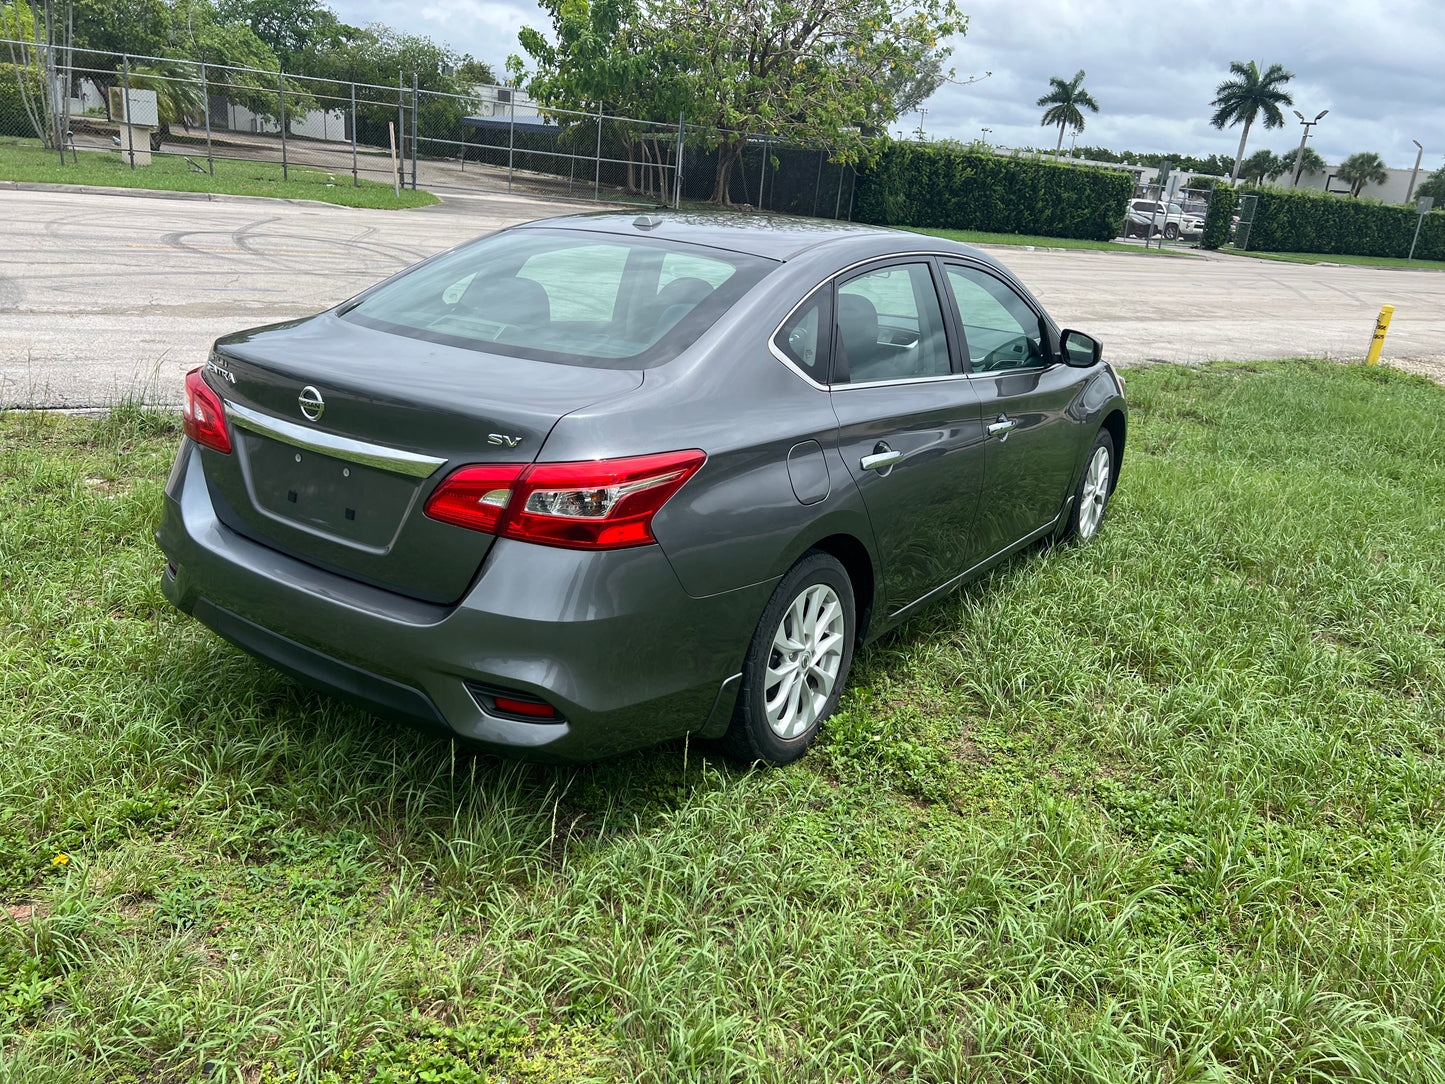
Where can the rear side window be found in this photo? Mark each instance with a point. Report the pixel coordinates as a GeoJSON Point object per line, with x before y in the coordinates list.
{"type": "Point", "coordinates": [890, 327]}
{"type": "Point", "coordinates": [564, 295]}
{"type": "Point", "coordinates": [807, 336]}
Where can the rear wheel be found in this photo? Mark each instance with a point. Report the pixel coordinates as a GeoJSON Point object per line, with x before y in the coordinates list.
{"type": "Point", "coordinates": [796, 664]}
{"type": "Point", "coordinates": [1091, 499]}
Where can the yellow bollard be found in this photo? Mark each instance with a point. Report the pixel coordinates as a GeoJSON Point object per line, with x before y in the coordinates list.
{"type": "Point", "coordinates": [1382, 325]}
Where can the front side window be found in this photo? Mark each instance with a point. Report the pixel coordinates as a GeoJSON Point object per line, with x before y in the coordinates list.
{"type": "Point", "coordinates": [565, 295]}
{"type": "Point", "coordinates": [1000, 329]}
{"type": "Point", "coordinates": [890, 327]}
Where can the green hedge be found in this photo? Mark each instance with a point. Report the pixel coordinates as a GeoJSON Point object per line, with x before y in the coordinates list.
{"type": "Point", "coordinates": [1313, 221]}
{"type": "Point", "coordinates": [1220, 216]}
{"type": "Point", "coordinates": [914, 184]}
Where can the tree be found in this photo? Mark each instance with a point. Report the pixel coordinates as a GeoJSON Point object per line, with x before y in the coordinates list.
{"type": "Point", "coordinates": [472, 72]}
{"type": "Point", "coordinates": [821, 72]}
{"type": "Point", "coordinates": [38, 35]}
{"type": "Point", "coordinates": [1259, 165]}
{"type": "Point", "coordinates": [294, 29]}
{"type": "Point", "coordinates": [1064, 101]}
{"type": "Point", "coordinates": [1362, 168]}
{"type": "Point", "coordinates": [1433, 186]}
{"type": "Point", "coordinates": [1243, 98]}
{"type": "Point", "coordinates": [1310, 162]}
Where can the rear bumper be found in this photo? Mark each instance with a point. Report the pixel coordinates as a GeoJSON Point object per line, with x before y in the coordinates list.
{"type": "Point", "coordinates": [609, 638]}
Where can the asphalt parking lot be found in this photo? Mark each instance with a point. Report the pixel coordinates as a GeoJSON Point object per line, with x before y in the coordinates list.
{"type": "Point", "coordinates": [107, 296]}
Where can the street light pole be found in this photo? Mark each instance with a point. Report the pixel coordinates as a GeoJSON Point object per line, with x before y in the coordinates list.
{"type": "Point", "coordinates": [922, 113]}
{"type": "Point", "coordinates": [1299, 159]}
{"type": "Point", "coordinates": [1420, 153]}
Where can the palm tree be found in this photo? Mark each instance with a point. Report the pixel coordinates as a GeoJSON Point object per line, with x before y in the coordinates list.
{"type": "Point", "coordinates": [1311, 162]}
{"type": "Point", "coordinates": [1259, 165]}
{"type": "Point", "coordinates": [1064, 101]}
{"type": "Point", "coordinates": [1245, 97]}
{"type": "Point", "coordinates": [1359, 169]}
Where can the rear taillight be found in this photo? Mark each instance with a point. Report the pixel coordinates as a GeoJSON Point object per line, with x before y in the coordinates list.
{"type": "Point", "coordinates": [475, 497]}
{"type": "Point", "coordinates": [203, 417]}
{"type": "Point", "coordinates": [601, 504]}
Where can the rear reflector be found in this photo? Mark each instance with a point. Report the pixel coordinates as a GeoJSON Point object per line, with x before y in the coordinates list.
{"type": "Point", "coordinates": [599, 504]}
{"type": "Point", "coordinates": [203, 417]}
{"type": "Point", "coordinates": [510, 702]}
{"type": "Point", "coordinates": [524, 707]}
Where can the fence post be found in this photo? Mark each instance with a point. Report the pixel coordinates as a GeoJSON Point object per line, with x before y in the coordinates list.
{"type": "Point", "coordinates": [206, 105]}
{"type": "Point", "coordinates": [355, 182]}
{"type": "Point", "coordinates": [838, 202]}
{"type": "Point", "coordinates": [58, 124]}
{"type": "Point", "coordinates": [763, 173]}
{"type": "Point", "coordinates": [597, 173]}
{"type": "Point", "coordinates": [413, 131]}
{"type": "Point", "coordinates": [677, 177]}
{"type": "Point", "coordinates": [511, 134]}
{"type": "Point", "coordinates": [818, 184]}
{"type": "Point", "coordinates": [281, 97]}
{"type": "Point", "coordinates": [401, 135]}
{"type": "Point", "coordinates": [129, 131]}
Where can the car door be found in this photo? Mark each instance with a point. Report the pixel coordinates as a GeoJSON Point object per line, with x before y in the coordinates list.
{"type": "Point", "coordinates": [910, 431]}
{"type": "Point", "coordinates": [1025, 394]}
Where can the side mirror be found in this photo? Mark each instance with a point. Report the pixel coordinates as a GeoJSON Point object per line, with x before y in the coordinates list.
{"type": "Point", "coordinates": [1080, 350]}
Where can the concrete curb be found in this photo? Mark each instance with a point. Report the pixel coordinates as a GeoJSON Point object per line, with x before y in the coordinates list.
{"type": "Point", "coordinates": [163, 193]}
{"type": "Point", "coordinates": [1327, 263]}
{"type": "Point", "coordinates": [992, 247]}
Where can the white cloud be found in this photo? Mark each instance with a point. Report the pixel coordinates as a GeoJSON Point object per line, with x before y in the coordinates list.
{"type": "Point", "coordinates": [1153, 68]}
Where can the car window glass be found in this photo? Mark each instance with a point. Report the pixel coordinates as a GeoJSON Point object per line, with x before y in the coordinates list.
{"type": "Point", "coordinates": [890, 326]}
{"type": "Point", "coordinates": [1001, 330]}
{"type": "Point", "coordinates": [564, 296]}
{"type": "Point", "coordinates": [807, 335]}
{"type": "Point", "coordinates": [678, 265]}
{"type": "Point", "coordinates": [581, 282]}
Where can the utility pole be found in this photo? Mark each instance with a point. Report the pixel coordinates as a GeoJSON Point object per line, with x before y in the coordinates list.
{"type": "Point", "coordinates": [1299, 159]}
{"type": "Point", "coordinates": [1420, 153]}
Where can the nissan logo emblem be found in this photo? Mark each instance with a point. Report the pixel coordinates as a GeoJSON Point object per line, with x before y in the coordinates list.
{"type": "Point", "coordinates": [311, 403]}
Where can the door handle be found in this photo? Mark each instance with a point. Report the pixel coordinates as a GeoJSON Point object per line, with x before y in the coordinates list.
{"type": "Point", "coordinates": [881, 460]}
{"type": "Point", "coordinates": [1002, 428]}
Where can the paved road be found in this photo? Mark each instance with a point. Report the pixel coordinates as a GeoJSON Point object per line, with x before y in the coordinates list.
{"type": "Point", "coordinates": [104, 296]}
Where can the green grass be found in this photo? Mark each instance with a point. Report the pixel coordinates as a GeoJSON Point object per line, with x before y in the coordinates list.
{"type": "Point", "coordinates": [1164, 808]}
{"type": "Point", "coordinates": [1353, 261]}
{"type": "Point", "coordinates": [171, 173]}
{"type": "Point", "coordinates": [976, 237]}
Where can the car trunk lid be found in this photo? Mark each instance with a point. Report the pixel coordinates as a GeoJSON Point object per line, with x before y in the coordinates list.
{"type": "Point", "coordinates": [341, 432]}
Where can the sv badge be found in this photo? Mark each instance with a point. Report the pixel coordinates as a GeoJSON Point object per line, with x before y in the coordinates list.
{"type": "Point", "coordinates": [502, 440]}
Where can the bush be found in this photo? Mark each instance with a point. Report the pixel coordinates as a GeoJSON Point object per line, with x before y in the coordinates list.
{"type": "Point", "coordinates": [1312, 221]}
{"type": "Point", "coordinates": [944, 188]}
{"type": "Point", "coordinates": [1220, 217]}
{"type": "Point", "coordinates": [14, 121]}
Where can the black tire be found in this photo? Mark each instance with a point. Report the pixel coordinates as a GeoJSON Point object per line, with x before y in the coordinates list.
{"type": "Point", "coordinates": [1084, 523]}
{"type": "Point", "coordinates": [1171, 232]}
{"type": "Point", "coordinates": [752, 736]}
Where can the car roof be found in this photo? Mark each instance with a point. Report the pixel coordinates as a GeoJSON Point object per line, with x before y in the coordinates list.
{"type": "Point", "coordinates": [775, 237]}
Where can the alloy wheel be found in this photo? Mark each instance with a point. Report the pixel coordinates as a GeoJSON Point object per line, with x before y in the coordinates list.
{"type": "Point", "coordinates": [1095, 495]}
{"type": "Point", "coordinates": [803, 664]}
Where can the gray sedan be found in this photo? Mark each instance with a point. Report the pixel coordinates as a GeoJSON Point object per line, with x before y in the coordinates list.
{"type": "Point", "coordinates": [596, 482]}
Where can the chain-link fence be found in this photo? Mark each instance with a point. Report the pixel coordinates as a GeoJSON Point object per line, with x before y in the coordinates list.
{"type": "Point", "coordinates": [1166, 214]}
{"type": "Point", "coordinates": [77, 104]}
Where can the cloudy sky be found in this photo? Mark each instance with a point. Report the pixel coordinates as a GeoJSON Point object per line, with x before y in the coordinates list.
{"type": "Point", "coordinates": [1152, 67]}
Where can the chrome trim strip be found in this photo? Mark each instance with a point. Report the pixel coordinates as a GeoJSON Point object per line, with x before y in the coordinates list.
{"type": "Point", "coordinates": [354, 451]}
{"type": "Point", "coordinates": [941, 588]}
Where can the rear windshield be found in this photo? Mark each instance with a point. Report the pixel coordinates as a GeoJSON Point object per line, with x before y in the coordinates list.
{"type": "Point", "coordinates": [563, 295]}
